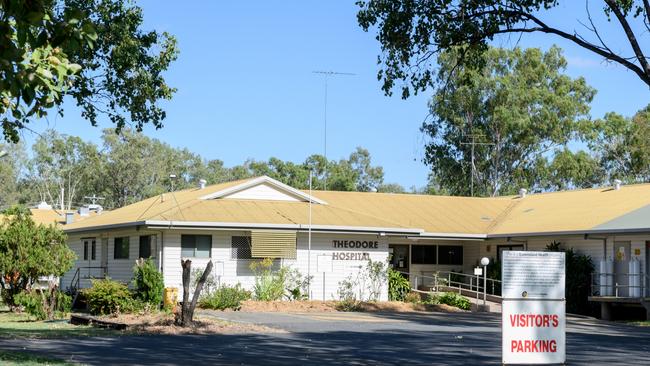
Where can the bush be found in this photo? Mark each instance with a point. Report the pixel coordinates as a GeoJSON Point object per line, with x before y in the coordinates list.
{"type": "Point", "coordinates": [413, 298]}
{"type": "Point", "coordinates": [225, 297]}
{"type": "Point", "coordinates": [398, 286]}
{"type": "Point", "coordinates": [148, 283]}
{"type": "Point", "coordinates": [297, 285]}
{"type": "Point", "coordinates": [579, 268]}
{"type": "Point", "coordinates": [454, 299]}
{"type": "Point", "coordinates": [269, 284]}
{"type": "Point", "coordinates": [109, 297]}
{"type": "Point", "coordinates": [46, 304]}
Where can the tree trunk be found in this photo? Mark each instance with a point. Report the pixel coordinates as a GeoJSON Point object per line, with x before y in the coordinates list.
{"type": "Point", "coordinates": [187, 310]}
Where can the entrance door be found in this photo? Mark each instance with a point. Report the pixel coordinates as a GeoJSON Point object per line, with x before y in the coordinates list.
{"type": "Point", "coordinates": [91, 260]}
{"type": "Point", "coordinates": [399, 259]}
{"type": "Point", "coordinates": [621, 266]}
{"type": "Point", "coordinates": [105, 257]}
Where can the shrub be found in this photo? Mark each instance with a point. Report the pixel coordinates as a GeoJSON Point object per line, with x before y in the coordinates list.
{"type": "Point", "coordinates": [579, 268]}
{"type": "Point", "coordinates": [454, 299]}
{"type": "Point", "coordinates": [148, 283]}
{"type": "Point", "coordinates": [269, 283]}
{"type": "Point", "coordinates": [297, 285]}
{"type": "Point", "coordinates": [398, 286]}
{"type": "Point", "coordinates": [209, 286]}
{"type": "Point", "coordinates": [46, 304]}
{"type": "Point", "coordinates": [109, 297]}
{"type": "Point", "coordinates": [225, 297]}
{"type": "Point", "coordinates": [413, 297]}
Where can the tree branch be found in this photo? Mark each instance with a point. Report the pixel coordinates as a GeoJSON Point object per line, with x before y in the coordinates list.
{"type": "Point", "coordinates": [630, 35]}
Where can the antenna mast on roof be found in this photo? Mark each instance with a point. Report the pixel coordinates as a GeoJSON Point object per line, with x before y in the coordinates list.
{"type": "Point", "coordinates": [93, 198]}
{"type": "Point", "coordinates": [327, 75]}
{"type": "Point", "coordinates": [473, 170]}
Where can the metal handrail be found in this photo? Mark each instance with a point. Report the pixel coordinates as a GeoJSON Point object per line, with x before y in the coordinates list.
{"type": "Point", "coordinates": [596, 285]}
{"type": "Point", "coordinates": [448, 279]}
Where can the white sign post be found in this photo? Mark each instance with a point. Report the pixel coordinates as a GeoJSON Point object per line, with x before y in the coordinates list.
{"type": "Point", "coordinates": [533, 309]}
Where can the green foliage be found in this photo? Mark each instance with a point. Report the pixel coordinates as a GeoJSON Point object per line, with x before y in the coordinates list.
{"type": "Point", "coordinates": [148, 283]}
{"type": "Point", "coordinates": [297, 285]}
{"type": "Point", "coordinates": [413, 298]}
{"type": "Point", "coordinates": [29, 251]}
{"type": "Point", "coordinates": [91, 50]}
{"type": "Point", "coordinates": [579, 268]}
{"type": "Point", "coordinates": [109, 297]}
{"type": "Point", "coordinates": [366, 285]}
{"type": "Point", "coordinates": [454, 299]}
{"type": "Point", "coordinates": [519, 108]}
{"type": "Point", "coordinates": [45, 305]}
{"type": "Point", "coordinates": [414, 33]}
{"type": "Point", "coordinates": [225, 297]}
{"type": "Point", "coordinates": [398, 286]}
{"type": "Point", "coordinates": [269, 283]}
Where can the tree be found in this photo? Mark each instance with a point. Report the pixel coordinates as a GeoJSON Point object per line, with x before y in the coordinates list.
{"type": "Point", "coordinates": [412, 33]}
{"type": "Point", "coordinates": [186, 316]}
{"type": "Point", "coordinates": [11, 166]}
{"type": "Point", "coordinates": [65, 163]}
{"type": "Point", "coordinates": [570, 170]}
{"type": "Point", "coordinates": [29, 251]}
{"type": "Point", "coordinates": [91, 50]}
{"type": "Point", "coordinates": [492, 128]}
{"type": "Point", "coordinates": [623, 146]}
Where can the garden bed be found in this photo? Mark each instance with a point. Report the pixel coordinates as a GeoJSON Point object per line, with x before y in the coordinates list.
{"type": "Point", "coordinates": [315, 306]}
{"type": "Point", "coordinates": [163, 323]}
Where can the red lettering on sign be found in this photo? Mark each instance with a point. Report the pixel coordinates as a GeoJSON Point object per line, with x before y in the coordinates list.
{"type": "Point", "coordinates": [534, 346]}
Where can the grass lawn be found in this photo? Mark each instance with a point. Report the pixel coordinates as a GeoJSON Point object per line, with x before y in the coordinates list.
{"type": "Point", "coordinates": [14, 325]}
{"type": "Point", "coordinates": [24, 359]}
{"type": "Point", "coordinates": [641, 323]}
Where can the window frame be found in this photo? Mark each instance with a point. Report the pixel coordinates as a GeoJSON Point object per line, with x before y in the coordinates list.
{"type": "Point", "coordinates": [235, 251]}
{"type": "Point", "coordinates": [415, 248]}
{"type": "Point", "coordinates": [122, 243]}
{"type": "Point", "coordinates": [194, 246]}
{"type": "Point", "coordinates": [153, 248]}
{"type": "Point", "coordinates": [451, 263]}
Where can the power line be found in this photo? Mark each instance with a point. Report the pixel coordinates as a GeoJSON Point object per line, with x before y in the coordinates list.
{"type": "Point", "coordinates": [327, 75]}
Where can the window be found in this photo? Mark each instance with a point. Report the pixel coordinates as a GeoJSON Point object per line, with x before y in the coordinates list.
{"type": "Point", "coordinates": [423, 254]}
{"type": "Point", "coordinates": [90, 249]}
{"type": "Point", "coordinates": [121, 250]}
{"type": "Point", "coordinates": [450, 254]}
{"type": "Point", "coordinates": [241, 247]}
{"type": "Point", "coordinates": [196, 246]}
{"type": "Point", "coordinates": [147, 246]}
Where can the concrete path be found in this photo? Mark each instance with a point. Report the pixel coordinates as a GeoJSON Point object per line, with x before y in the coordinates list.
{"type": "Point", "coordinates": [346, 339]}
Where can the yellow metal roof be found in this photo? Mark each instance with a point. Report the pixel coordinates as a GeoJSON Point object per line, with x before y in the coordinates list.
{"type": "Point", "coordinates": [53, 216]}
{"type": "Point", "coordinates": [578, 210]}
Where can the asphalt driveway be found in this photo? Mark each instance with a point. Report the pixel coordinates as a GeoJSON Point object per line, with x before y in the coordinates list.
{"type": "Point", "coordinates": [346, 339]}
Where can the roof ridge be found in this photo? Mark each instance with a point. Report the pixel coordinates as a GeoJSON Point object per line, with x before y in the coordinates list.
{"type": "Point", "coordinates": [502, 216]}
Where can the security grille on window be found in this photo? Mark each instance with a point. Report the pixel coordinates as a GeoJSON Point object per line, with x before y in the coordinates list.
{"type": "Point", "coordinates": [241, 247]}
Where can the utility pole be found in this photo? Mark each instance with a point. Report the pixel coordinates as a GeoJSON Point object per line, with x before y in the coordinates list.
{"type": "Point", "coordinates": [327, 75]}
{"type": "Point", "coordinates": [473, 143]}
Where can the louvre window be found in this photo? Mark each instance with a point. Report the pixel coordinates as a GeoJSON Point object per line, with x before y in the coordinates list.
{"type": "Point", "coordinates": [240, 247]}
{"type": "Point", "coordinates": [121, 248]}
{"type": "Point", "coordinates": [196, 246]}
{"type": "Point", "coordinates": [273, 244]}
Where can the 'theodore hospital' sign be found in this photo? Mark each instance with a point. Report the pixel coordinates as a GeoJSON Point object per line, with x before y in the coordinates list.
{"type": "Point", "coordinates": [533, 309]}
{"type": "Point", "coordinates": [353, 244]}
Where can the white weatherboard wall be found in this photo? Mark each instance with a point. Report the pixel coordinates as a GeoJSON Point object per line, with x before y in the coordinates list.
{"type": "Point", "coordinates": [238, 270]}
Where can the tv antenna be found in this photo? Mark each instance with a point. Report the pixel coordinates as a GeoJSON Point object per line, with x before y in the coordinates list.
{"type": "Point", "coordinates": [327, 75]}
{"type": "Point", "coordinates": [93, 198]}
{"type": "Point", "coordinates": [473, 143]}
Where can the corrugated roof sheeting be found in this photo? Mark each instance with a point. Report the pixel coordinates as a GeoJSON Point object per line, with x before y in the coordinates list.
{"type": "Point", "coordinates": [536, 213]}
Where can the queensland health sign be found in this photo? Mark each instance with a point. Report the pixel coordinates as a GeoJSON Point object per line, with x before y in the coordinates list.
{"type": "Point", "coordinates": [533, 309]}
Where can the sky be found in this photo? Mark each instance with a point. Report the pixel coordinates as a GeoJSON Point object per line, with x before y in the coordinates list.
{"type": "Point", "coordinates": [246, 87]}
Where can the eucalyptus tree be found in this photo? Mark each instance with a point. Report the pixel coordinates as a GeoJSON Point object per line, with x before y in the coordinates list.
{"type": "Point", "coordinates": [93, 51]}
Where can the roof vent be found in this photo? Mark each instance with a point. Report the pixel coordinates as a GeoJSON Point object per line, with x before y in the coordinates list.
{"type": "Point", "coordinates": [202, 183]}
{"type": "Point", "coordinates": [617, 184]}
{"type": "Point", "coordinates": [69, 218]}
{"type": "Point", "coordinates": [522, 192]}
{"type": "Point", "coordinates": [44, 206]}
{"type": "Point", "coordinates": [84, 211]}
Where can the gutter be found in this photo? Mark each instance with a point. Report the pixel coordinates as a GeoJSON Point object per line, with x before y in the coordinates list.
{"type": "Point", "coordinates": [104, 227]}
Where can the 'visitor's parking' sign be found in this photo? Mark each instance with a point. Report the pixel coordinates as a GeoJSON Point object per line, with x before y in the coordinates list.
{"type": "Point", "coordinates": [533, 310]}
